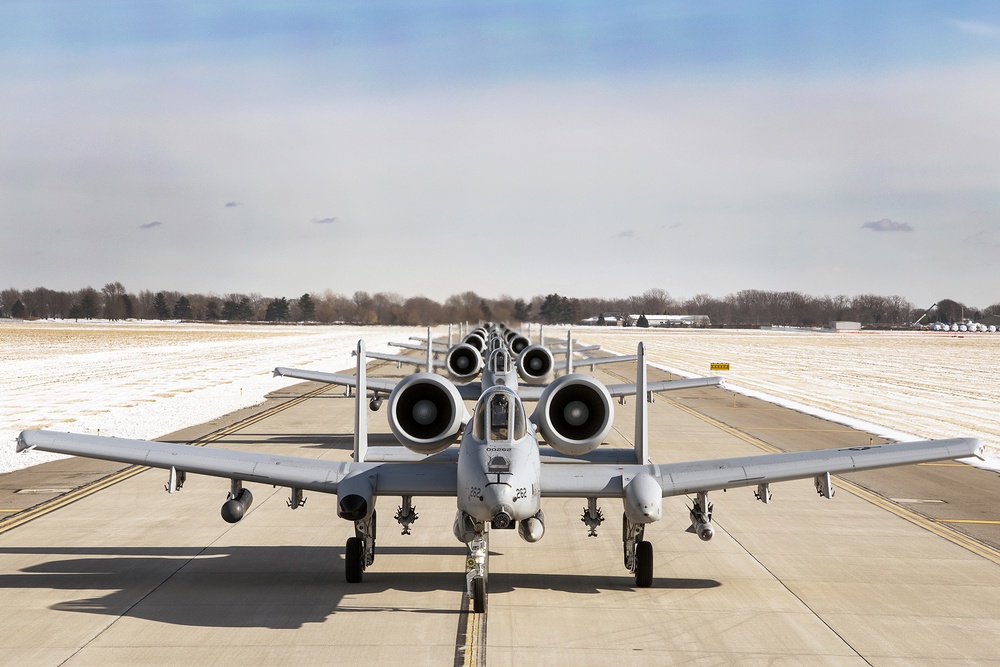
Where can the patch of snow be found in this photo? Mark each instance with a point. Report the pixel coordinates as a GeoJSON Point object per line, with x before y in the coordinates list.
{"type": "Point", "coordinates": [146, 379]}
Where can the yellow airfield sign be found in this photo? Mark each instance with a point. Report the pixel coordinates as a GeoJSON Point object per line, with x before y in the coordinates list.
{"type": "Point", "coordinates": [719, 366]}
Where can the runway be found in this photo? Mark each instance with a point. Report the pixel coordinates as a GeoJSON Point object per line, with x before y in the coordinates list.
{"type": "Point", "coordinates": [900, 568]}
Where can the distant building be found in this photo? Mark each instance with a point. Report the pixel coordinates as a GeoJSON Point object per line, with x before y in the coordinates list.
{"type": "Point", "coordinates": [845, 326]}
{"type": "Point", "coordinates": [673, 320]}
{"type": "Point", "coordinates": [610, 320]}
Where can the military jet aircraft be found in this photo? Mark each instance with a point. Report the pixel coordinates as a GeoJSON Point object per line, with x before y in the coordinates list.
{"type": "Point", "coordinates": [500, 473]}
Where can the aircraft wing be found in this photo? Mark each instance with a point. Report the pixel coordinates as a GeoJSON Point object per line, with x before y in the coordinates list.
{"type": "Point", "coordinates": [592, 361]}
{"type": "Point", "coordinates": [382, 385]}
{"type": "Point", "coordinates": [419, 479]}
{"type": "Point", "coordinates": [401, 359]}
{"type": "Point", "coordinates": [582, 480]}
{"type": "Point", "coordinates": [628, 389]}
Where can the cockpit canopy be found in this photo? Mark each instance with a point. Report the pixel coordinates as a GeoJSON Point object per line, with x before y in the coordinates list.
{"type": "Point", "coordinates": [499, 417]}
{"type": "Point", "coordinates": [500, 362]}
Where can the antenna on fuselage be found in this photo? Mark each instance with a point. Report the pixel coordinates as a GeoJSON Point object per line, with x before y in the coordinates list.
{"type": "Point", "coordinates": [360, 413]}
{"type": "Point", "coordinates": [641, 419]}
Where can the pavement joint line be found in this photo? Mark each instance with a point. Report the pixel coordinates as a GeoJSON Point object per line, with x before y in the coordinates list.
{"type": "Point", "coordinates": [20, 517]}
{"type": "Point", "coordinates": [931, 525]}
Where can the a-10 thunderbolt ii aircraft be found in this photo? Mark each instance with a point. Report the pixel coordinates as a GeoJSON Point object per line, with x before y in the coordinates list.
{"type": "Point", "coordinates": [500, 472]}
{"type": "Point", "coordinates": [535, 363]}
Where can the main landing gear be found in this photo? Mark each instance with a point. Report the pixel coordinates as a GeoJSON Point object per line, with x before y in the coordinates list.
{"type": "Point", "coordinates": [638, 552]}
{"type": "Point", "coordinates": [360, 552]}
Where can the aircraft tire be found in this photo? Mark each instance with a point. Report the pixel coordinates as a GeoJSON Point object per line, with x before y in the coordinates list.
{"type": "Point", "coordinates": [354, 560]}
{"type": "Point", "coordinates": [644, 564]}
{"type": "Point", "coordinates": [479, 595]}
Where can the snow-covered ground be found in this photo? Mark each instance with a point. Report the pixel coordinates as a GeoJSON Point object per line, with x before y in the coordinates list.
{"type": "Point", "coordinates": [147, 379]}
{"type": "Point", "coordinates": [906, 386]}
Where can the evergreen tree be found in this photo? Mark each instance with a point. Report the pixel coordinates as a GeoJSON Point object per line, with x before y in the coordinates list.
{"type": "Point", "coordinates": [278, 310]}
{"type": "Point", "coordinates": [160, 304]}
{"type": "Point", "coordinates": [642, 321]}
{"type": "Point", "coordinates": [88, 306]}
{"type": "Point", "coordinates": [18, 310]}
{"type": "Point", "coordinates": [182, 309]}
{"type": "Point", "coordinates": [308, 307]}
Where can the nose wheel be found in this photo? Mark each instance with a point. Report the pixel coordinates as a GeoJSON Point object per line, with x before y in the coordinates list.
{"type": "Point", "coordinates": [477, 570]}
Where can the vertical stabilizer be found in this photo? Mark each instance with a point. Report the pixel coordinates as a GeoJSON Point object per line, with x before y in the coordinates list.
{"type": "Point", "coordinates": [569, 351]}
{"type": "Point", "coordinates": [430, 351]}
{"type": "Point", "coordinates": [360, 409]}
{"type": "Point", "coordinates": [641, 420]}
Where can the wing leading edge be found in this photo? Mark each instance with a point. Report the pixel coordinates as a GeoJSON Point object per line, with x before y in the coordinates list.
{"type": "Point", "coordinates": [572, 480]}
{"type": "Point", "coordinates": [417, 479]}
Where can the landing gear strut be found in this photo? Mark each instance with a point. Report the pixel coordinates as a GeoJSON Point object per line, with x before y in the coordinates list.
{"type": "Point", "coordinates": [638, 553]}
{"type": "Point", "coordinates": [477, 563]}
{"type": "Point", "coordinates": [360, 551]}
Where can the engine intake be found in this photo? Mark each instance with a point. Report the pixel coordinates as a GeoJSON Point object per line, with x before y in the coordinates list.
{"type": "Point", "coordinates": [426, 412]}
{"type": "Point", "coordinates": [574, 414]}
{"type": "Point", "coordinates": [463, 361]}
{"type": "Point", "coordinates": [517, 343]}
{"type": "Point", "coordinates": [536, 364]}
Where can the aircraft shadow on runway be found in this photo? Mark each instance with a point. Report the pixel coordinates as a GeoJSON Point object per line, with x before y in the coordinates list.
{"type": "Point", "coordinates": [277, 587]}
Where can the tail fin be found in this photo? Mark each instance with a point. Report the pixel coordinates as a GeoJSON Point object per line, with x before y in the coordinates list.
{"type": "Point", "coordinates": [641, 420]}
{"type": "Point", "coordinates": [430, 352]}
{"type": "Point", "coordinates": [569, 352]}
{"type": "Point", "coordinates": [360, 409]}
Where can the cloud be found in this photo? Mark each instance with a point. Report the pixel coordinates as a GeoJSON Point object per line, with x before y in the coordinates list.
{"type": "Point", "coordinates": [233, 204]}
{"type": "Point", "coordinates": [980, 28]}
{"type": "Point", "coordinates": [627, 234]}
{"type": "Point", "coordinates": [887, 225]}
{"type": "Point", "coordinates": [150, 225]}
{"type": "Point", "coordinates": [324, 221]}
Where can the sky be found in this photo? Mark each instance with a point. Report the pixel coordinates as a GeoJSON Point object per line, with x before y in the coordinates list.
{"type": "Point", "coordinates": [508, 148]}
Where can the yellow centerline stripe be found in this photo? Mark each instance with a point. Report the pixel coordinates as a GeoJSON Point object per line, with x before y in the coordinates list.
{"type": "Point", "coordinates": [979, 521]}
{"type": "Point", "coordinates": [931, 525]}
{"type": "Point", "coordinates": [23, 516]}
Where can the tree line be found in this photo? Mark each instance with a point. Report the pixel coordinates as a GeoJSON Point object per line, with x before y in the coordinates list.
{"type": "Point", "coordinates": [744, 308]}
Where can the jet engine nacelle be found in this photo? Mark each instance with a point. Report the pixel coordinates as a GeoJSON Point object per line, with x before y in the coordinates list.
{"type": "Point", "coordinates": [517, 343]}
{"type": "Point", "coordinates": [536, 364]}
{"type": "Point", "coordinates": [476, 340]}
{"type": "Point", "coordinates": [463, 361]}
{"type": "Point", "coordinates": [574, 414]}
{"type": "Point", "coordinates": [426, 412]}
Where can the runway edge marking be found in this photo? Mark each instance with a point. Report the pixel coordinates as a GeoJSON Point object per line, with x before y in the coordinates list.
{"type": "Point", "coordinates": [936, 527]}
{"type": "Point", "coordinates": [31, 513]}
